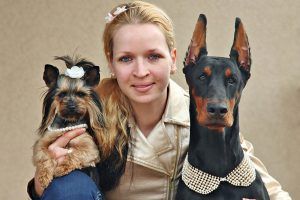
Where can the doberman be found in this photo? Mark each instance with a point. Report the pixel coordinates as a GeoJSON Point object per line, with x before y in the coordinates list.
{"type": "Point", "coordinates": [216, 166]}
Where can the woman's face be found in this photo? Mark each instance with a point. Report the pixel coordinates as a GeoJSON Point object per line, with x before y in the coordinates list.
{"type": "Point", "coordinates": [142, 63]}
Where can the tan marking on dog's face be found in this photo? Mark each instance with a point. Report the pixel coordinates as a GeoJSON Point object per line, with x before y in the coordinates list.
{"type": "Point", "coordinates": [228, 72]}
{"type": "Point", "coordinates": [229, 116]}
{"type": "Point", "coordinates": [204, 119]}
{"type": "Point", "coordinates": [201, 105]}
{"type": "Point", "coordinates": [207, 71]}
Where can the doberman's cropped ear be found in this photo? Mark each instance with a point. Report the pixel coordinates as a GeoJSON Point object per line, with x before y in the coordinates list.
{"type": "Point", "coordinates": [240, 50]}
{"type": "Point", "coordinates": [50, 75]}
{"type": "Point", "coordinates": [92, 76]}
{"type": "Point", "coordinates": [197, 47]}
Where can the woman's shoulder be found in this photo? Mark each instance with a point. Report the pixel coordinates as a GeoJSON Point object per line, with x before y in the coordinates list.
{"type": "Point", "coordinates": [177, 89]}
{"type": "Point", "coordinates": [177, 109]}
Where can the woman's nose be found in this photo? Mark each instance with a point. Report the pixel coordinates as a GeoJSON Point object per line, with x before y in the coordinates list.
{"type": "Point", "coordinates": [141, 69]}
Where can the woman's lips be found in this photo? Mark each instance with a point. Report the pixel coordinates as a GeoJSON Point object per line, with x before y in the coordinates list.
{"type": "Point", "coordinates": [143, 87]}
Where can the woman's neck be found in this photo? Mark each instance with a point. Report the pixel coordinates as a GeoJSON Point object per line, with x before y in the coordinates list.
{"type": "Point", "coordinates": [147, 115]}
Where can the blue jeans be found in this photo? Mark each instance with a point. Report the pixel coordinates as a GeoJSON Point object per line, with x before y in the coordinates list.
{"type": "Point", "coordinates": [74, 186]}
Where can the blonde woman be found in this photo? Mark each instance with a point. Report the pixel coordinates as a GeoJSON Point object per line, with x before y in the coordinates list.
{"type": "Point", "coordinates": [146, 108]}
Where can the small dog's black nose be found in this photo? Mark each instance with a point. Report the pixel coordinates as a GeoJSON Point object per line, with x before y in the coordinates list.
{"type": "Point", "coordinates": [71, 105]}
{"type": "Point", "coordinates": [217, 110]}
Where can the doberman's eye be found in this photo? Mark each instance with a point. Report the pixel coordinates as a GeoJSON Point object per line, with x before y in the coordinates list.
{"type": "Point", "coordinates": [81, 94]}
{"type": "Point", "coordinates": [231, 80]}
{"type": "Point", "coordinates": [62, 94]}
{"type": "Point", "coordinates": [202, 77]}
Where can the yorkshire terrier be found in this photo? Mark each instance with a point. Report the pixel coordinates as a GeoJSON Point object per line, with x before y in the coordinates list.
{"type": "Point", "coordinates": [69, 103]}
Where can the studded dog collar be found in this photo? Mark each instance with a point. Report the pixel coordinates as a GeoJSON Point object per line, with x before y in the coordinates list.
{"type": "Point", "coordinates": [201, 182]}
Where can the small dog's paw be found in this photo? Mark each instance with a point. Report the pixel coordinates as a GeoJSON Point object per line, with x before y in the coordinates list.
{"type": "Point", "coordinates": [83, 157]}
{"type": "Point", "coordinates": [93, 164]}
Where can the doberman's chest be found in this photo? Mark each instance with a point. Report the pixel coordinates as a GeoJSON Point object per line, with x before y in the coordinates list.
{"type": "Point", "coordinates": [226, 191]}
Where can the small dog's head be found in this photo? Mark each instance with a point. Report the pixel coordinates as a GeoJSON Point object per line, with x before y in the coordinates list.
{"type": "Point", "coordinates": [216, 83]}
{"type": "Point", "coordinates": [71, 100]}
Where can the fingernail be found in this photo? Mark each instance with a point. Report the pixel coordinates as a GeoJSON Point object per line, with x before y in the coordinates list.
{"type": "Point", "coordinates": [69, 151]}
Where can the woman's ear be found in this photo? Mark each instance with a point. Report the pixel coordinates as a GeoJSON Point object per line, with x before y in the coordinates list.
{"type": "Point", "coordinates": [173, 57]}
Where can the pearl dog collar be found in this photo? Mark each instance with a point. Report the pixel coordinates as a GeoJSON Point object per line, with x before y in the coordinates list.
{"type": "Point", "coordinates": [67, 128]}
{"type": "Point", "coordinates": [243, 175]}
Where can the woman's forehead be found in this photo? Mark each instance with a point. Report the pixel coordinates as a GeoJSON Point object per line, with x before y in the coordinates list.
{"type": "Point", "coordinates": [132, 36]}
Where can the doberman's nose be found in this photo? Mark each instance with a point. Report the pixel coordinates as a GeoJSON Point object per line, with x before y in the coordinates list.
{"type": "Point", "coordinates": [217, 110]}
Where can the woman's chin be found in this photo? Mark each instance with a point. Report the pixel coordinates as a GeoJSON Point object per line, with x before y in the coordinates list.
{"type": "Point", "coordinates": [146, 99]}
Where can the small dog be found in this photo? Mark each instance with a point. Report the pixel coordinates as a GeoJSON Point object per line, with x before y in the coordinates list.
{"type": "Point", "coordinates": [69, 103]}
{"type": "Point", "coordinates": [216, 166]}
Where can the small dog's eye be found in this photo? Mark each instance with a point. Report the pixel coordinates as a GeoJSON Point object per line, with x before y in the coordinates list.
{"type": "Point", "coordinates": [80, 94]}
{"type": "Point", "coordinates": [62, 94]}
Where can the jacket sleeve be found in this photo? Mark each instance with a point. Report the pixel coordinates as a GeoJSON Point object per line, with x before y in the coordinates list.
{"type": "Point", "coordinates": [273, 186]}
{"type": "Point", "coordinates": [31, 192]}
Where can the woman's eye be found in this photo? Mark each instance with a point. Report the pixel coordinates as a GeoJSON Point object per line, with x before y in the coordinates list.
{"type": "Point", "coordinates": [154, 57]}
{"type": "Point", "coordinates": [125, 59]}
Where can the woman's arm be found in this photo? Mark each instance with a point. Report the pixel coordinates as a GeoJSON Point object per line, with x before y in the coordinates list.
{"type": "Point", "coordinates": [273, 186]}
{"type": "Point", "coordinates": [58, 151]}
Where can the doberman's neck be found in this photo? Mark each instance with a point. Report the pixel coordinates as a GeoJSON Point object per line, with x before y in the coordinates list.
{"type": "Point", "coordinates": [217, 153]}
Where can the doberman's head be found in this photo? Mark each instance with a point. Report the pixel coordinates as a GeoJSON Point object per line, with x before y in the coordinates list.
{"type": "Point", "coordinates": [216, 83]}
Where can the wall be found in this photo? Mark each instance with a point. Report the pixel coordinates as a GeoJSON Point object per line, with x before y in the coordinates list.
{"type": "Point", "coordinates": [32, 32]}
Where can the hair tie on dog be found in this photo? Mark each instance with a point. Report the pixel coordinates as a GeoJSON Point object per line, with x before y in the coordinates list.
{"type": "Point", "coordinates": [118, 11]}
{"type": "Point", "coordinates": [75, 72]}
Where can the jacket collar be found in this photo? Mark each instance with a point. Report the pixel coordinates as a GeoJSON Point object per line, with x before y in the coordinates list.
{"type": "Point", "coordinates": [177, 109]}
{"type": "Point", "coordinates": [153, 151]}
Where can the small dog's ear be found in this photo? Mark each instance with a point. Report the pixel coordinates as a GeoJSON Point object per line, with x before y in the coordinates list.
{"type": "Point", "coordinates": [240, 50]}
{"type": "Point", "coordinates": [197, 47]}
{"type": "Point", "coordinates": [50, 75]}
{"type": "Point", "coordinates": [92, 76]}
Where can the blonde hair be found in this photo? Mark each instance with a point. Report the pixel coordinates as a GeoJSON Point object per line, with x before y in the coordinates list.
{"type": "Point", "coordinates": [138, 12]}
{"type": "Point", "coordinates": [117, 109]}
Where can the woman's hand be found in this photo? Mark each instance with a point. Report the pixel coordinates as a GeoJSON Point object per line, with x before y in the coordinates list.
{"type": "Point", "coordinates": [58, 151]}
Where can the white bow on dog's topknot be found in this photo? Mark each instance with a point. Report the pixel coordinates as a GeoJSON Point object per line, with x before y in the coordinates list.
{"type": "Point", "coordinates": [75, 72]}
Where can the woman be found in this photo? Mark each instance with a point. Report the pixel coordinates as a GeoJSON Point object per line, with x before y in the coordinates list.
{"type": "Point", "coordinates": [140, 49]}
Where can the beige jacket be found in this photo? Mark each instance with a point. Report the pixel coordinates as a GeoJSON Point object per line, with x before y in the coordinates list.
{"type": "Point", "coordinates": [154, 163]}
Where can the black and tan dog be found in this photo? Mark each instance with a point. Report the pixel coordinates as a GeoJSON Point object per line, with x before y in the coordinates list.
{"type": "Point", "coordinates": [216, 167]}
{"type": "Point", "coordinates": [69, 103]}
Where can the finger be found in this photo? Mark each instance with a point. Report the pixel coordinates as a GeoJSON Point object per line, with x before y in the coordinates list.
{"type": "Point", "coordinates": [57, 152]}
{"type": "Point", "coordinates": [63, 140]}
{"type": "Point", "coordinates": [60, 160]}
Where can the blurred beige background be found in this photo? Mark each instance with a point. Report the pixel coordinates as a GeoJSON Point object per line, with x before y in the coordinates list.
{"type": "Point", "coordinates": [32, 32]}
